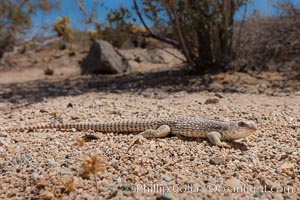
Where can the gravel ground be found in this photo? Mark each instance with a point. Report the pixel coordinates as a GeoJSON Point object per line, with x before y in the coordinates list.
{"type": "Point", "coordinates": [50, 163]}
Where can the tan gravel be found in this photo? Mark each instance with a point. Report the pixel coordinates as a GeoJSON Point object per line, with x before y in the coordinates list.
{"type": "Point", "coordinates": [272, 159]}
{"type": "Point", "coordinates": [47, 163]}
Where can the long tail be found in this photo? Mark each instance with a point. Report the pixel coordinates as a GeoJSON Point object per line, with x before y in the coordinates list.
{"type": "Point", "coordinates": [120, 126]}
{"type": "Point", "coordinates": [67, 126]}
{"type": "Point", "coordinates": [43, 126]}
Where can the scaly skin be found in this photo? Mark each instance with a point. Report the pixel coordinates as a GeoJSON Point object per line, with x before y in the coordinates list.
{"type": "Point", "coordinates": [214, 130]}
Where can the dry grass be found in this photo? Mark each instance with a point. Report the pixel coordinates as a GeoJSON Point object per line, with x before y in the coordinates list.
{"type": "Point", "coordinates": [79, 141]}
{"type": "Point", "coordinates": [69, 185]}
{"type": "Point", "coordinates": [92, 164]}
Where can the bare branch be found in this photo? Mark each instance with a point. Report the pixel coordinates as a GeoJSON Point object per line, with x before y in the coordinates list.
{"type": "Point", "coordinates": [172, 54]}
{"type": "Point", "coordinates": [241, 26]}
{"type": "Point", "coordinates": [150, 33]}
{"type": "Point", "coordinates": [85, 12]}
{"type": "Point", "coordinates": [182, 40]}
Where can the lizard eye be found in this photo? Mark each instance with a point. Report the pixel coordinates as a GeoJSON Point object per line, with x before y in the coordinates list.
{"type": "Point", "coordinates": [242, 124]}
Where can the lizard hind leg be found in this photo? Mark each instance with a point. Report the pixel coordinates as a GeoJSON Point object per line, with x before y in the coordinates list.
{"type": "Point", "coordinates": [161, 131]}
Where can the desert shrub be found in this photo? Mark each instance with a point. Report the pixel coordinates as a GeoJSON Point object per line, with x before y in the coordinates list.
{"type": "Point", "coordinates": [201, 29]}
{"type": "Point", "coordinates": [15, 19]}
{"type": "Point", "coordinates": [63, 29]}
{"type": "Point", "coordinates": [268, 43]}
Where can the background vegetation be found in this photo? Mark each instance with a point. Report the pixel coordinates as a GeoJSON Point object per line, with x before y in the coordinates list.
{"type": "Point", "coordinates": [204, 31]}
{"type": "Point", "coordinates": [16, 19]}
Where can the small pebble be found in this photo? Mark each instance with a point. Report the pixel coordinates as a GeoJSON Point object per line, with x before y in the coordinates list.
{"type": "Point", "coordinates": [216, 161]}
{"type": "Point", "coordinates": [212, 101]}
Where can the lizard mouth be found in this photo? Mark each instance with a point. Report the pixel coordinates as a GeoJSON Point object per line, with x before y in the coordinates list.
{"type": "Point", "coordinates": [253, 127]}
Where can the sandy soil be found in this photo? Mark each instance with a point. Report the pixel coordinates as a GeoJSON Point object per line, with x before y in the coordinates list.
{"type": "Point", "coordinates": [48, 163]}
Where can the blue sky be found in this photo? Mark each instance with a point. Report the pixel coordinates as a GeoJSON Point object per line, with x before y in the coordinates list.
{"type": "Point", "coordinates": [69, 8]}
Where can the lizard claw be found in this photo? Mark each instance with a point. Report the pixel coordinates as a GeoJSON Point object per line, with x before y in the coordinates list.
{"type": "Point", "coordinates": [139, 139]}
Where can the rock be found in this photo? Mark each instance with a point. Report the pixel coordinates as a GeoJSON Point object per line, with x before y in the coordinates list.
{"type": "Point", "coordinates": [70, 105]}
{"type": "Point", "coordinates": [216, 161]}
{"type": "Point", "coordinates": [112, 194]}
{"type": "Point", "coordinates": [287, 166]}
{"type": "Point", "coordinates": [50, 162]}
{"type": "Point", "coordinates": [160, 56]}
{"type": "Point", "coordinates": [258, 120]}
{"type": "Point", "coordinates": [234, 183]}
{"type": "Point", "coordinates": [152, 147]}
{"type": "Point", "coordinates": [258, 194]}
{"type": "Point", "coordinates": [133, 64]}
{"type": "Point", "coordinates": [3, 134]}
{"type": "Point", "coordinates": [43, 111]}
{"type": "Point", "coordinates": [74, 117]}
{"type": "Point", "coordinates": [155, 56]}
{"type": "Point", "coordinates": [48, 71]}
{"type": "Point", "coordinates": [212, 101]}
{"type": "Point", "coordinates": [284, 156]}
{"type": "Point", "coordinates": [126, 186]}
{"type": "Point", "coordinates": [166, 178]}
{"type": "Point", "coordinates": [86, 196]}
{"type": "Point", "coordinates": [5, 107]}
{"type": "Point", "coordinates": [205, 172]}
{"type": "Point", "coordinates": [270, 185]}
{"type": "Point", "coordinates": [103, 59]}
{"type": "Point", "coordinates": [219, 95]}
{"type": "Point", "coordinates": [278, 196]}
{"type": "Point", "coordinates": [165, 196]}
{"type": "Point", "coordinates": [287, 89]}
{"type": "Point", "coordinates": [89, 137]}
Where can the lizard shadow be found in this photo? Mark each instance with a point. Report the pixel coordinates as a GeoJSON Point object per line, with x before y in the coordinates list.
{"type": "Point", "coordinates": [233, 144]}
{"type": "Point", "coordinates": [238, 145]}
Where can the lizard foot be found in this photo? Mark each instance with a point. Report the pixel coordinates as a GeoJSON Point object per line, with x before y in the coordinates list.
{"type": "Point", "coordinates": [224, 145]}
{"type": "Point", "coordinates": [139, 138]}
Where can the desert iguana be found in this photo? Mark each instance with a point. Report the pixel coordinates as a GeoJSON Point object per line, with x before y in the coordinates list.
{"type": "Point", "coordinates": [215, 131]}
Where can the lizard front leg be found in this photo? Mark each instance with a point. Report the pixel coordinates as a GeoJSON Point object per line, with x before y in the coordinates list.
{"type": "Point", "coordinates": [215, 138]}
{"type": "Point", "coordinates": [161, 131]}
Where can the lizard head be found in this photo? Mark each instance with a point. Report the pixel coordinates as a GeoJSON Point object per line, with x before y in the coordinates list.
{"type": "Point", "coordinates": [241, 129]}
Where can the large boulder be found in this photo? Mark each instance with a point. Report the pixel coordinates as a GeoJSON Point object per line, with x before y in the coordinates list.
{"type": "Point", "coordinates": [103, 59]}
{"type": "Point", "coordinates": [152, 59]}
{"type": "Point", "coordinates": [169, 56]}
